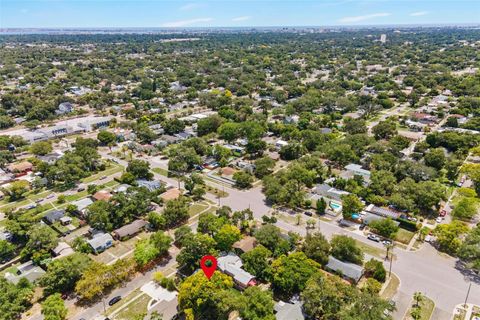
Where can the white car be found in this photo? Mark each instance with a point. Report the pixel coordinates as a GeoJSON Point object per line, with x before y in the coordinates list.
{"type": "Point", "coordinates": [439, 220]}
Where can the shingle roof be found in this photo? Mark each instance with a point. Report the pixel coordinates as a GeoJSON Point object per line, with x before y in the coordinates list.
{"type": "Point", "coordinates": [130, 229]}
{"type": "Point", "coordinates": [349, 270]}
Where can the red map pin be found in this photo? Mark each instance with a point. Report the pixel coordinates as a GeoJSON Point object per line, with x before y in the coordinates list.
{"type": "Point", "coordinates": [208, 265]}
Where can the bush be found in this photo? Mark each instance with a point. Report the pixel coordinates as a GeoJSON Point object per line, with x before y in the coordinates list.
{"type": "Point", "coordinates": [408, 225]}
{"type": "Point", "coordinates": [375, 270]}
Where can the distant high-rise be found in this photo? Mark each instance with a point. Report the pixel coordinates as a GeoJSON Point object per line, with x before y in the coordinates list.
{"type": "Point", "coordinates": [383, 38]}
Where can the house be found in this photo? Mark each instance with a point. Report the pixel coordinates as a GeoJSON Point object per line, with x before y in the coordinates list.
{"type": "Point", "coordinates": [82, 205]}
{"type": "Point", "coordinates": [65, 220]}
{"type": "Point", "coordinates": [353, 169]}
{"type": "Point", "coordinates": [236, 150]}
{"type": "Point", "coordinates": [100, 242]}
{"type": "Point", "coordinates": [184, 135]}
{"type": "Point", "coordinates": [326, 191]}
{"type": "Point", "coordinates": [273, 155]}
{"type": "Point", "coordinates": [210, 163]}
{"type": "Point", "coordinates": [231, 264]}
{"type": "Point", "coordinates": [5, 177]}
{"type": "Point", "coordinates": [64, 108]}
{"type": "Point", "coordinates": [424, 118]}
{"type": "Point", "coordinates": [170, 139]}
{"type": "Point", "coordinates": [245, 244]}
{"type": "Point", "coordinates": [62, 250]}
{"type": "Point", "coordinates": [28, 271]}
{"type": "Point", "coordinates": [291, 119]}
{"type": "Point", "coordinates": [171, 194]}
{"type": "Point", "coordinates": [5, 235]}
{"type": "Point", "coordinates": [382, 212]}
{"type": "Point", "coordinates": [129, 230]}
{"type": "Point", "coordinates": [349, 271]}
{"type": "Point", "coordinates": [280, 144]}
{"type": "Point", "coordinates": [53, 216]}
{"type": "Point", "coordinates": [20, 168]}
{"type": "Point", "coordinates": [150, 185]}
{"type": "Point", "coordinates": [247, 166]}
{"type": "Point", "coordinates": [288, 311]}
{"type": "Point", "coordinates": [102, 195]}
{"type": "Point", "coordinates": [121, 188]}
{"type": "Point", "coordinates": [50, 158]}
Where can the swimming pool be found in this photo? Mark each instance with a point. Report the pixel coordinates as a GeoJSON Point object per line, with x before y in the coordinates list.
{"type": "Point", "coordinates": [335, 206]}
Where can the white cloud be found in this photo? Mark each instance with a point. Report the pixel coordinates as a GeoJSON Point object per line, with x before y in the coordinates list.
{"type": "Point", "coordinates": [243, 18]}
{"type": "Point", "coordinates": [191, 6]}
{"type": "Point", "coordinates": [418, 13]}
{"type": "Point", "coordinates": [185, 23]}
{"type": "Point", "coordinates": [363, 18]}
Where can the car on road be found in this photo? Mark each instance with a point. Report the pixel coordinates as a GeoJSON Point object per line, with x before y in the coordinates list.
{"type": "Point", "coordinates": [439, 220]}
{"type": "Point", "coordinates": [31, 206]}
{"type": "Point", "coordinates": [81, 189]}
{"type": "Point", "coordinates": [387, 242]}
{"type": "Point", "coordinates": [50, 196]}
{"type": "Point", "coordinates": [362, 226]}
{"type": "Point", "coordinates": [308, 213]}
{"type": "Point", "coordinates": [373, 237]}
{"type": "Point", "coordinates": [103, 177]}
{"type": "Point", "coordinates": [114, 300]}
{"type": "Point", "coordinates": [38, 200]}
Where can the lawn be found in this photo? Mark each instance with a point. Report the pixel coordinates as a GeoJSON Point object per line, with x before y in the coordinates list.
{"type": "Point", "coordinates": [391, 288]}
{"type": "Point", "coordinates": [426, 306]}
{"type": "Point", "coordinates": [134, 309]}
{"type": "Point", "coordinates": [216, 192]}
{"type": "Point", "coordinates": [161, 171]}
{"type": "Point", "coordinates": [196, 208]}
{"type": "Point", "coordinates": [112, 169]}
{"type": "Point", "coordinates": [373, 251]}
{"type": "Point", "coordinates": [404, 236]}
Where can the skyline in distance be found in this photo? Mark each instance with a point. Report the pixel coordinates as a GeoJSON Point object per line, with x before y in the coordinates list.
{"type": "Point", "coordinates": [225, 13]}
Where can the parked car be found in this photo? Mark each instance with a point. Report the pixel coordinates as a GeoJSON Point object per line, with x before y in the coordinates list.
{"type": "Point", "coordinates": [50, 196]}
{"type": "Point", "coordinates": [373, 237]}
{"type": "Point", "coordinates": [114, 300]}
{"type": "Point", "coordinates": [439, 219]}
{"type": "Point", "coordinates": [362, 226]}
{"type": "Point", "coordinates": [38, 200]}
{"type": "Point", "coordinates": [103, 177]}
{"type": "Point", "coordinates": [387, 242]}
{"type": "Point", "coordinates": [308, 213]}
{"type": "Point", "coordinates": [81, 189]}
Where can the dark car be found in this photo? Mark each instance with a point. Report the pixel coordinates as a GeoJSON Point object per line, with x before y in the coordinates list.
{"type": "Point", "coordinates": [80, 189]}
{"type": "Point", "coordinates": [308, 213]}
{"type": "Point", "coordinates": [114, 300]}
{"type": "Point", "coordinates": [362, 226]}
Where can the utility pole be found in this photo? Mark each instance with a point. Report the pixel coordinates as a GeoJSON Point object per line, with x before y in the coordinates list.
{"type": "Point", "coordinates": [468, 293]}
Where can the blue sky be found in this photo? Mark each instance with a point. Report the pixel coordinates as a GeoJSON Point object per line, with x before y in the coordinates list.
{"type": "Point", "coordinates": [233, 13]}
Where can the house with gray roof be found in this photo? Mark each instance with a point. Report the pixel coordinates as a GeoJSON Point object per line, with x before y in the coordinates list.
{"type": "Point", "coordinates": [28, 270]}
{"type": "Point", "coordinates": [150, 185]}
{"type": "Point", "coordinates": [326, 191]}
{"type": "Point", "coordinates": [231, 264]}
{"type": "Point", "coordinates": [100, 242]}
{"type": "Point", "coordinates": [53, 216]}
{"type": "Point", "coordinates": [288, 311]}
{"type": "Point", "coordinates": [349, 271]}
{"type": "Point", "coordinates": [130, 229]}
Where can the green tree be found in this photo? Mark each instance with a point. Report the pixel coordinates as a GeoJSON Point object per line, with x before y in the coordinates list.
{"type": "Point", "coordinates": [41, 239]}
{"type": "Point", "coordinates": [140, 169]}
{"type": "Point", "coordinates": [316, 247]}
{"type": "Point", "coordinates": [469, 250]}
{"type": "Point", "coordinates": [193, 250]}
{"type": "Point", "coordinates": [291, 273]}
{"type": "Point", "coordinates": [257, 304]}
{"type": "Point", "coordinates": [41, 148]}
{"type": "Point", "coordinates": [106, 138]}
{"type": "Point", "coordinates": [385, 227]}
{"type": "Point", "coordinates": [346, 249]}
{"type": "Point", "coordinates": [321, 206]}
{"type": "Point", "coordinates": [14, 299]}
{"type": "Point", "coordinates": [351, 204]}
{"type": "Point", "coordinates": [243, 180]}
{"type": "Point", "coordinates": [6, 250]}
{"type": "Point", "coordinates": [53, 308]}
{"type": "Point", "coordinates": [448, 236]}
{"type": "Point", "coordinates": [435, 158]}
{"type": "Point", "coordinates": [465, 209]}
{"type": "Point", "coordinates": [385, 129]}
{"type": "Point", "coordinates": [375, 269]}
{"type": "Point", "coordinates": [264, 166]}
{"type": "Point", "coordinates": [226, 237]}
{"type": "Point", "coordinates": [63, 274]}
{"type": "Point", "coordinates": [256, 261]}
{"type": "Point", "coordinates": [175, 212]}
{"type": "Point", "coordinates": [17, 190]}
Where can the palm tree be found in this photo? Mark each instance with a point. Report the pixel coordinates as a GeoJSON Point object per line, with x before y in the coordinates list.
{"type": "Point", "coordinates": [418, 297]}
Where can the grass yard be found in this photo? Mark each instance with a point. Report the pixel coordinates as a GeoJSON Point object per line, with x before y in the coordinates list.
{"type": "Point", "coordinates": [373, 251]}
{"type": "Point", "coordinates": [391, 288]}
{"type": "Point", "coordinates": [404, 236]}
{"type": "Point", "coordinates": [196, 208]}
{"type": "Point", "coordinates": [161, 171]}
{"type": "Point", "coordinates": [112, 169]}
{"type": "Point", "coordinates": [216, 192]}
{"type": "Point", "coordinates": [134, 309]}
{"type": "Point", "coordinates": [426, 306]}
